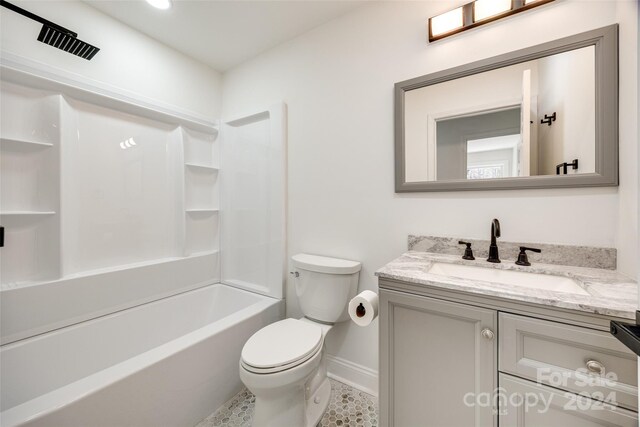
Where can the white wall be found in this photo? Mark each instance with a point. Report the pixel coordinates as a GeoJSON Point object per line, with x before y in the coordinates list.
{"type": "Point", "coordinates": [338, 83]}
{"type": "Point", "coordinates": [128, 60]}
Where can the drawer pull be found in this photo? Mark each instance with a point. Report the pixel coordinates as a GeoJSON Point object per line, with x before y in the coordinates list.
{"type": "Point", "coordinates": [488, 334]}
{"type": "Point", "coordinates": [595, 367]}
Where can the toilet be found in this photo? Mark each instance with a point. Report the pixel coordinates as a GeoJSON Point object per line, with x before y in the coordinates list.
{"type": "Point", "coordinates": [283, 364]}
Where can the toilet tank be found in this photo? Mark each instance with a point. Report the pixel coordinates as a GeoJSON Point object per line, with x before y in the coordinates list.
{"type": "Point", "coordinates": [324, 286]}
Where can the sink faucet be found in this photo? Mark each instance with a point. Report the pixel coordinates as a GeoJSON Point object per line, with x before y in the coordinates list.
{"type": "Point", "coordinates": [493, 247]}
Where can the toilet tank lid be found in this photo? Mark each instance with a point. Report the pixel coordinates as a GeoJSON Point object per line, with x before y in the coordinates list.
{"type": "Point", "coordinates": [323, 264]}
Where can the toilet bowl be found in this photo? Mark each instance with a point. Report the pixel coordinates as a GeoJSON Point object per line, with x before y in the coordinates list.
{"type": "Point", "coordinates": [283, 364]}
{"type": "Point", "coordinates": [278, 365]}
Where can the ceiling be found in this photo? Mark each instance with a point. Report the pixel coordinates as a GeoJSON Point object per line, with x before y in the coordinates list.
{"type": "Point", "coordinates": [220, 33]}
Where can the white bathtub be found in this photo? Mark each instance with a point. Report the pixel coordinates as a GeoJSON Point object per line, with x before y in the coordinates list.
{"type": "Point", "coordinates": [167, 363]}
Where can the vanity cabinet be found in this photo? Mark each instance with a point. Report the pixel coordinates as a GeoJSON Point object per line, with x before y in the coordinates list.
{"type": "Point", "coordinates": [434, 354]}
{"type": "Point", "coordinates": [453, 359]}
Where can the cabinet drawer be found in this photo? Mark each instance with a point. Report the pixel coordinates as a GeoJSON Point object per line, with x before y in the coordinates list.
{"type": "Point", "coordinates": [526, 404]}
{"type": "Point", "coordinates": [569, 358]}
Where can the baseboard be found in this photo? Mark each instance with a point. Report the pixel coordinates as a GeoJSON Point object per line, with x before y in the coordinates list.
{"type": "Point", "coordinates": [357, 376]}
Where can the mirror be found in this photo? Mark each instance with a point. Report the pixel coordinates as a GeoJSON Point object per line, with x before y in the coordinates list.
{"type": "Point", "coordinates": [541, 117]}
{"type": "Point", "coordinates": [492, 124]}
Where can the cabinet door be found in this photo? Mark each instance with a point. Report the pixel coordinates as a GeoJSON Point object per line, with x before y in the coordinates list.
{"type": "Point", "coordinates": [527, 404]}
{"type": "Point", "coordinates": [437, 359]}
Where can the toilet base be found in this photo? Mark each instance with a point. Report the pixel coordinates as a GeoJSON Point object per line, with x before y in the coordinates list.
{"type": "Point", "coordinates": [318, 403]}
{"type": "Point", "coordinates": [287, 409]}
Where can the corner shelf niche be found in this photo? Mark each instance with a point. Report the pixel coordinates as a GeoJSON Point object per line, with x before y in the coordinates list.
{"type": "Point", "coordinates": [201, 188]}
{"type": "Point", "coordinates": [201, 150]}
{"type": "Point", "coordinates": [29, 184]}
{"type": "Point", "coordinates": [202, 194]}
{"type": "Point", "coordinates": [201, 231]}
{"type": "Point", "coordinates": [31, 251]}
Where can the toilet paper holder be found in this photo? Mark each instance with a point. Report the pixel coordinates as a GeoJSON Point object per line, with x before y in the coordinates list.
{"type": "Point", "coordinates": [363, 308]}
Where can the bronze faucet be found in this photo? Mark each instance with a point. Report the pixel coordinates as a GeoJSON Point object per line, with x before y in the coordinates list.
{"type": "Point", "coordinates": [493, 247]}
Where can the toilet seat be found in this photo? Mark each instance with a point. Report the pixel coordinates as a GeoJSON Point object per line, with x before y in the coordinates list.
{"type": "Point", "coordinates": [280, 346]}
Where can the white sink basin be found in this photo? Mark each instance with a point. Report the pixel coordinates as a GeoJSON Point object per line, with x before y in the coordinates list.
{"type": "Point", "coordinates": [508, 277]}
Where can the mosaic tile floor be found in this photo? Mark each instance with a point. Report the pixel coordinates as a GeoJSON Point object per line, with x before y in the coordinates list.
{"type": "Point", "coordinates": [347, 407]}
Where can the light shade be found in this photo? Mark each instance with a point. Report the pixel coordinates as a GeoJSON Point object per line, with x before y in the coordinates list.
{"type": "Point", "coordinates": [160, 4]}
{"type": "Point", "coordinates": [483, 9]}
{"type": "Point", "coordinates": [476, 13]}
{"type": "Point", "coordinates": [446, 22]}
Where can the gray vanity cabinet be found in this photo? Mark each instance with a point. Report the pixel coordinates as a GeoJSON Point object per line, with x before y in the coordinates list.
{"type": "Point", "coordinates": [454, 359]}
{"type": "Point", "coordinates": [437, 358]}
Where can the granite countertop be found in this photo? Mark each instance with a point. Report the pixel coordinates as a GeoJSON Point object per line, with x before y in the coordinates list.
{"type": "Point", "coordinates": [610, 293]}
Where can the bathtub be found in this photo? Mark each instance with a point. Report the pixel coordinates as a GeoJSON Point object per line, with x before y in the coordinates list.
{"type": "Point", "coordinates": [171, 362]}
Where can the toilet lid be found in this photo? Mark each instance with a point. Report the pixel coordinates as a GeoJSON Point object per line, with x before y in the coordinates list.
{"type": "Point", "coordinates": [281, 344]}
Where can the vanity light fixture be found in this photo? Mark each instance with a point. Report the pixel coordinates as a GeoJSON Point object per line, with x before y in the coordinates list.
{"type": "Point", "coordinates": [446, 23]}
{"type": "Point", "coordinates": [160, 4]}
{"type": "Point", "coordinates": [476, 13]}
{"type": "Point", "coordinates": [483, 9]}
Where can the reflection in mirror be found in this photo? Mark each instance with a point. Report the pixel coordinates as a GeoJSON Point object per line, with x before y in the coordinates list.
{"type": "Point", "coordinates": [493, 157]}
{"type": "Point", "coordinates": [528, 119]}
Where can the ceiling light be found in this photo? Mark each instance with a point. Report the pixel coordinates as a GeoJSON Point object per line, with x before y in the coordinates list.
{"type": "Point", "coordinates": [446, 22]}
{"type": "Point", "coordinates": [483, 9]}
{"type": "Point", "coordinates": [160, 4]}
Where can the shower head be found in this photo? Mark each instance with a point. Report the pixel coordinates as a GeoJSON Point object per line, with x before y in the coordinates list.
{"type": "Point", "coordinates": [67, 41]}
{"type": "Point", "coordinates": [57, 36]}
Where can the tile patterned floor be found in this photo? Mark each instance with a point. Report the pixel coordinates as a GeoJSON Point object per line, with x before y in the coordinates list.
{"type": "Point", "coordinates": [347, 407]}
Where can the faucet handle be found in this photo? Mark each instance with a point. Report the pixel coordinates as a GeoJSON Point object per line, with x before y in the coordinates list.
{"type": "Point", "coordinates": [468, 253]}
{"type": "Point", "coordinates": [522, 256]}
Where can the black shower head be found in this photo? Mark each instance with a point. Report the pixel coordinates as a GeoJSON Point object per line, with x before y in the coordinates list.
{"type": "Point", "coordinates": [57, 36]}
{"type": "Point", "coordinates": [67, 41]}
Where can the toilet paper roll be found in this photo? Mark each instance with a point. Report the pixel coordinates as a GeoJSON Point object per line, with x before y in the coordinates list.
{"type": "Point", "coordinates": [363, 308]}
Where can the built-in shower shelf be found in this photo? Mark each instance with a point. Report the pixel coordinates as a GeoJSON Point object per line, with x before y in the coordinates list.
{"type": "Point", "coordinates": [202, 210]}
{"type": "Point", "coordinates": [202, 167]}
{"type": "Point", "coordinates": [201, 192]}
{"type": "Point", "coordinates": [203, 253]}
{"type": "Point", "coordinates": [28, 213]}
{"type": "Point", "coordinates": [17, 143]}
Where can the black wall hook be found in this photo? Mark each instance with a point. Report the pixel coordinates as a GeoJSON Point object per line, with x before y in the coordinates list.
{"type": "Point", "coordinates": [565, 165]}
{"type": "Point", "coordinates": [548, 119]}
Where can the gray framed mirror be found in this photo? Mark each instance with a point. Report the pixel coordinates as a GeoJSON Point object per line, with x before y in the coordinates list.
{"type": "Point", "coordinates": [540, 117]}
